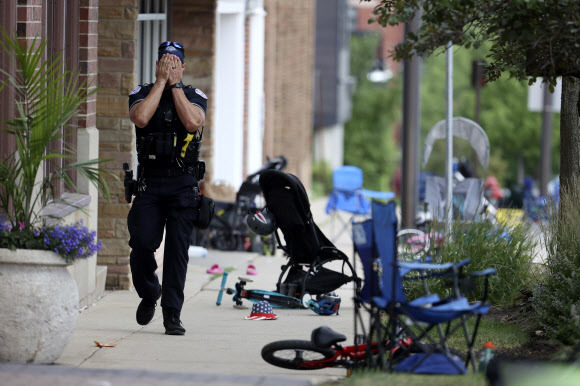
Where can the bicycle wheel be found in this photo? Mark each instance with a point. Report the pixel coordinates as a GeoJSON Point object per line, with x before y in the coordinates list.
{"type": "Point", "coordinates": [223, 241]}
{"type": "Point", "coordinates": [297, 355]}
{"type": "Point", "coordinates": [411, 244]}
{"type": "Point", "coordinates": [271, 244]}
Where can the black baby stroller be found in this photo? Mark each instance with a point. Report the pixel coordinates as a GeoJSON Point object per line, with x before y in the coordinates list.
{"type": "Point", "coordinates": [307, 248]}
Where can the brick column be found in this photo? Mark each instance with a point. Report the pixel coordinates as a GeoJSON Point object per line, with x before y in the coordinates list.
{"type": "Point", "coordinates": [88, 59]}
{"type": "Point", "coordinates": [193, 24]}
{"type": "Point", "coordinates": [289, 67]}
{"type": "Point", "coordinates": [29, 19]}
{"type": "Point", "coordinates": [117, 69]}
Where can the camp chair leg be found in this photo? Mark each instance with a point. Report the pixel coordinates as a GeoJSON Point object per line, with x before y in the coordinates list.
{"type": "Point", "coordinates": [335, 216]}
{"type": "Point", "coordinates": [441, 333]}
{"type": "Point", "coordinates": [382, 340]}
{"type": "Point", "coordinates": [468, 342]}
{"type": "Point", "coordinates": [442, 345]}
{"type": "Point", "coordinates": [471, 342]}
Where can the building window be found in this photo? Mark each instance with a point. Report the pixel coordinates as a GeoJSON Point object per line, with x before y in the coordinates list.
{"type": "Point", "coordinates": [8, 21]}
{"type": "Point", "coordinates": [60, 19]}
{"type": "Point", "coordinates": [152, 27]}
{"type": "Point", "coordinates": [62, 32]}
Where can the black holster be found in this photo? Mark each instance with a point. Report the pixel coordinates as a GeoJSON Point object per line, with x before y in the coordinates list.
{"type": "Point", "coordinates": [190, 156]}
{"type": "Point", "coordinates": [129, 182]}
{"type": "Point", "coordinates": [197, 170]}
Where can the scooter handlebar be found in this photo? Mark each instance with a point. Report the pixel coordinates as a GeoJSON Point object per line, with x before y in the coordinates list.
{"type": "Point", "coordinates": [222, 288]}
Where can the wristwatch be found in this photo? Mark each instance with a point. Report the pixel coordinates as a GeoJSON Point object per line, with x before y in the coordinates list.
{"type": "Point", "coordinates": [177, 85]}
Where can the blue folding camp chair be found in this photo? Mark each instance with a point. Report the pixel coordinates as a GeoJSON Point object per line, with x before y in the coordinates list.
{"type": "Point", "coordinates": [349, 196]}
{"type": "Point", "coordinates": [375, 242]}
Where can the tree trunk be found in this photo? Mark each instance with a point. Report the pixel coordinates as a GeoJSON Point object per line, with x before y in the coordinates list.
{"type": "Point", "coordinates": [569, 135]}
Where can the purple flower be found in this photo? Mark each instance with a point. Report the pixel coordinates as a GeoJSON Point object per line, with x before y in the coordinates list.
{"type": "Point", "coordinates": [71, 241]}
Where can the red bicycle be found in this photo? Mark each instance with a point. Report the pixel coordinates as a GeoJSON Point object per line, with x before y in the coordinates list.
{"type": "Point", "coordinates": [324, 350]}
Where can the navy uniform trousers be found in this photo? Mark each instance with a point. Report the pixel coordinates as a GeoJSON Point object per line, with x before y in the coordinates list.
{"type": "Point", "coordinates": [166, 203]}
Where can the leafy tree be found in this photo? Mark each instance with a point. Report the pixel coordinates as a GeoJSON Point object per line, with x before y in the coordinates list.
{"type": "Point", "coordinates": [511, 128]}
{"type": "Point", "coordinates": [368, 135]}
{"type": "Point", "coordinates": [530, 38]}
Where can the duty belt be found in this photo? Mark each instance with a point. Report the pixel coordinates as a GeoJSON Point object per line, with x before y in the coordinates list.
{"type": "Point", "coordinates": [164, 172]}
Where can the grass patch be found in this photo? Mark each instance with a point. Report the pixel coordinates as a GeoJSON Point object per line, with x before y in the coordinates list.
{"type": "Point", "coordinates": [505, 336]}
{"type": "Point", "coordinates": [372, 378]}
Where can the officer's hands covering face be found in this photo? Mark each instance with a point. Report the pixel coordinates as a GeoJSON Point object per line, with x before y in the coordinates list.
{"type": "Point", "coordinates": [163, 68]}
{"type": "Point", "coordinates": [176, 70]}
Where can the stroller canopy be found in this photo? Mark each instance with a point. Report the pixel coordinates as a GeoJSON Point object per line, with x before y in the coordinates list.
{"type": "Point", "coordinates": [286, 198]}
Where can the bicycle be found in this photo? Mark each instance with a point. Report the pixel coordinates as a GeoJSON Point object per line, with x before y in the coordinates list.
{"type": "Point", "coordinates": [324, 350]}
{"type": "Point", "coordinates": [414, 244]}
{"type": "Point", "coordinates": [228, 230]}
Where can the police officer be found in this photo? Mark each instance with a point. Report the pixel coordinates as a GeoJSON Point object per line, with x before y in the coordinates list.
{"type": "Point", "coordinates": [167, 116]}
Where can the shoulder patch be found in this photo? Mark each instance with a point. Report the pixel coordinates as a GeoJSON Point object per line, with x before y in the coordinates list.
{"type": "Point", "coordinates": [200, 93]}
{"type": "Point", "coordinates": [135, 90]}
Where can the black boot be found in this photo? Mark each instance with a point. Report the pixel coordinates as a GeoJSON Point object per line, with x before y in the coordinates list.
{"type": "Point", "coordinates": [146, 309]}
{"type": "Point", "coordinates": [172, 323]}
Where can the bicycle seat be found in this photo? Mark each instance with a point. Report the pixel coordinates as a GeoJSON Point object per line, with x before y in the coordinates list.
{"type": "Point", "coordinates": [325, 337]}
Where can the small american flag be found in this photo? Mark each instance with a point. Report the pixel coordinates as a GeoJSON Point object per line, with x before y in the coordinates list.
{"type": "Point", "coordinates": [262, 310]}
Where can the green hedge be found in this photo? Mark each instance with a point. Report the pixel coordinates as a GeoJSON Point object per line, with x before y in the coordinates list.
{"type": "Point", "coordinates": [508, 248]}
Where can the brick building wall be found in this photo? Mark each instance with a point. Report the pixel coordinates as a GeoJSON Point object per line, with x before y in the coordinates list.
{"type": "Point", "coordinates": [31, 15]}
{"type": "Point", "coordinates": [88, 59]}
{"type": "Point", "coordinates": [29, 19]}
{"type": "Point", "coordinates": [117, 36]}
{"type": "Point", "coordinates": [193, 25]}
{"type": "Point", "coordinates": [70, 27]}
{"type": "Point", "coordinates": [289, 67]}
{"type": "Point", "coordinates": [288, 86]}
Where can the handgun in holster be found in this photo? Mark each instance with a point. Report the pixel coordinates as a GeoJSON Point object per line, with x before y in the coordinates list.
{"type": "Point", "coordinates": [190, 155]}
{"type": "Point", "coordinates": [130, 183]}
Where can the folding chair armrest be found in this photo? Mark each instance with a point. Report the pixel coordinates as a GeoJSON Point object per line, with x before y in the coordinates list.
{"type": "Point", "coordinates": [462, 263]}
{"type": "Point", "coordinates": [417, 266]}
{"type": "Point", "coordinates": [377, 195]}
{"type": "Point", "coordinates": [485, 272]}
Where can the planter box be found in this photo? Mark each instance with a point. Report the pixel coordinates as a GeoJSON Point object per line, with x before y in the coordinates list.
{"type": "Point", "coordinates": [39, 302]}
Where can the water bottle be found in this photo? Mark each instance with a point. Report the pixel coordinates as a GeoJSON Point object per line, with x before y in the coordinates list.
{"type": "Point", "coordinates": [196, 252]}
{"type": "Point", "coordinates": [487, 352]}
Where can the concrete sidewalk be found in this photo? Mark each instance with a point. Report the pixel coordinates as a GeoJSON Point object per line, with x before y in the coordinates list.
{"type": "Point", "coordinates": [220, 346]}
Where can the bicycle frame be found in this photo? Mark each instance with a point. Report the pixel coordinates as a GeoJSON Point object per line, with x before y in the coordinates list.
{"type": "Point", "coordinates": [347, 357]}
{"type": "Point", "coordinates": [353, 356]}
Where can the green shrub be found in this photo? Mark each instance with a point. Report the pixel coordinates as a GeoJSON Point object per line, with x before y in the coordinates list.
{"type": "Point", "coordinates": [321, 179]}
{"type": "Point", "coordinates": [508, 248]}
{"type": "Point", "coordinates": [558, 290]}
